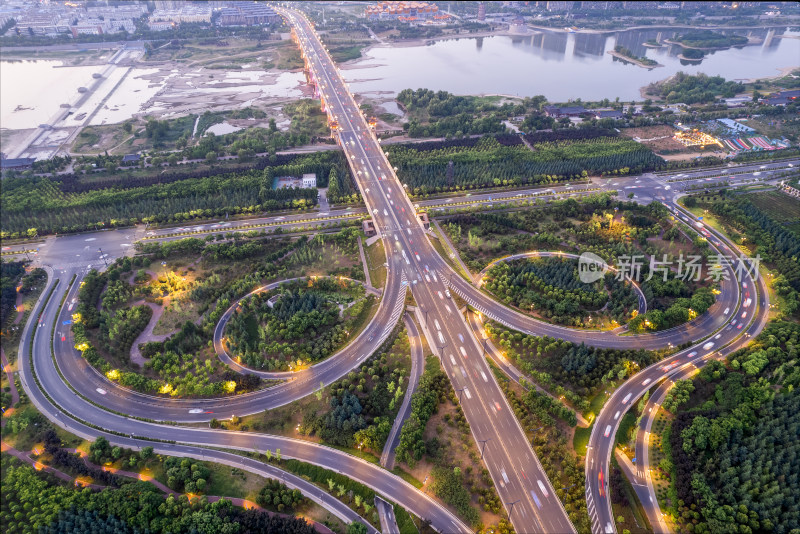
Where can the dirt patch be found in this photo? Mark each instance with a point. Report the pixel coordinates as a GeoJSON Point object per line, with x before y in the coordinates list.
{"type": "Point", "coordinates": [660, 140]}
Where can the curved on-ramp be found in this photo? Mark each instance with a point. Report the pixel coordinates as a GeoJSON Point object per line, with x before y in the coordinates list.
{"type": "Point", "coordinates": [219, 330]}
{"type": "Point", "coordinates": [720, 343]}
{"type": "Point", "coordinates": [66, 408]}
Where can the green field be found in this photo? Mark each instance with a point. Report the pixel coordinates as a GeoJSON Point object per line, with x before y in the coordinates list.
{"type": "Point", "coordinates": [779, 206]}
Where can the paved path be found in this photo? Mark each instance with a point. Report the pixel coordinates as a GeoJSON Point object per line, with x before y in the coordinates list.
{"type": "Point", "coordinates": [629, 470]}
{"type": "Point", "coordinates": [386, 510]}
{"type": "Point", "coordinates": [147, 334]}
{"type": "Point", "coordinates": [18, 308]}
{"type": "Point", "coordinates": [642, 474]}
{"type": "Point", "coordinates": [417, 366]}
{"type": "Point", "coordinates": [386, 515]}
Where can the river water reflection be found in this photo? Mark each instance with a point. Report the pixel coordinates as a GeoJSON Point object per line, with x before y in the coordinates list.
{"type": "Point", "coordinates": [560, 65]}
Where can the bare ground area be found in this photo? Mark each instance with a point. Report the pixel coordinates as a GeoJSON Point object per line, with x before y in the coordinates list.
{"type": "Point", "coordinates": [659, 139]}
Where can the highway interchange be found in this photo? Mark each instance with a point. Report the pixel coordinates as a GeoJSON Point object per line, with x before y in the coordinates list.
{"type": "Point", "coordinates": [519, 479]}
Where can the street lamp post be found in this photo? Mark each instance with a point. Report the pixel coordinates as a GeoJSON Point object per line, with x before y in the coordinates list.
{"type": "Point", "coordinates": [511, 510]}
{"type": "Point", "coordinates": [483, 445]}
{"type": "Point", "coordinates": [460, 391]}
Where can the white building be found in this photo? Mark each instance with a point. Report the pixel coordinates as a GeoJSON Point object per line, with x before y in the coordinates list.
{"type": "Point", "coordinates": [309, 181]}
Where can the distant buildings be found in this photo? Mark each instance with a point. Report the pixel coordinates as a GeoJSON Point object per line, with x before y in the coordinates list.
{"type": "Point", "coordinates": [607, 114]}
{"type": "Point", "coordinates": [131, 159]}
{"type": "Point", "coordinates": [735, 126]}
{"type": "Point", "coordinates": [160, 25]}
{"type": "Point", "coordinates": [570, 111]}
{"type": "Point", "coordinates": [308, 181]}
{"type": "Point", "coordinates": [246, 14]}
{"type": "Point", "coordinates": [195, 12]}
{"type": "Point", "coordinates": [95, 18]}
{"type": "Point", "coordinates": [782, 98]}
{"type": "Point", "coordinates": [405, 11]}
{"type": "Point", "coordinates": [52, 19]}
{"type": "Point", "coordinates": [16, 164]}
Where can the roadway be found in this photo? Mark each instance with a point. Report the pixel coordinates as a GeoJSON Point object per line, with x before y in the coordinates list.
{"type": "Point", "coordinates": [98, 389]}
{"type": "Point", "coordinates": [93, 250]}
{"type": "Point", "coordinates": [746, 320]}
{"type": "Point", "coordinates": [71, 250]}
{"type": "Point", "coordinates": [63, 405]}
{"type": "Point", "coordinates": [518, 476]}
{"type": "Point", "coordinates": [219, 331]}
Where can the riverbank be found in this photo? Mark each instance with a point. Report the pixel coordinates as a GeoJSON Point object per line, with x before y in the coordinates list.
{"type": "Point", "coordinates": [783, 72]}
{"type": "Point", "coordinates": [704, 49]}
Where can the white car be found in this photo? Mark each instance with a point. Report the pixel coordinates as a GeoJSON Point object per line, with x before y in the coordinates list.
{"type": "Point", "coordinates": [543, 488]}
{"type": "Point", "coordinates": [647, 381]}
{"type": "Point", "coordinates": [708, 345]}
{"type": "Point", "coordinates": [101, 391]}
{"type": "Point", "coordinates": [627, 398]}
{"type": "Point", "coordinates": [608, 431]}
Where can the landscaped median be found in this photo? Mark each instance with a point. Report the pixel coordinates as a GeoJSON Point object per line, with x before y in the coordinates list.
{"type": "Point", "coordinates": [217, 228]}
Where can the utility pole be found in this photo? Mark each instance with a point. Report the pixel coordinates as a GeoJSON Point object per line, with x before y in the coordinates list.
{"type": "Point", "coordinates": [483, 445]}
{"type": "Point", "coordinates": [484, 343]}
{"type": "Point", "coordinates": [460, 391]}
{"type": "Point", "coordinates": [102, 256]}
{"type": "Point", "coordinates": [511, 504]}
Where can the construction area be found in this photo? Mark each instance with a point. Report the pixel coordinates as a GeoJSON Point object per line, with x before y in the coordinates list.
{"type": "Point", "coordinates": [117, 85]}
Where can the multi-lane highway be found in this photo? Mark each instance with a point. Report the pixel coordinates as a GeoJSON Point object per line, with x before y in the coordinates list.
{"type": "Point", "coordinates": [745, 320]}
{"type": "Point", "coordinates": [55, 397]}
{"type": "Point", "coordinates": [412, 263]}
{"type": "Point", "coordinates": [519, 479]}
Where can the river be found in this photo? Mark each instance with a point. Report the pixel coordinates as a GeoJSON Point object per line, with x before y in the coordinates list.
{"type": "Point", "coordinates": [558, 65]}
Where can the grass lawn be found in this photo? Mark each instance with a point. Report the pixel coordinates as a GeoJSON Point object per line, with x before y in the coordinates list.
{"type": "Point", "coordinates": [233, 482]}
{"type": "Point", "coordinates": [626, 426]}
{"type": "Point", "coordinates": [376, 257]}
{"type": "Point", "coordinates": [595, 405]}
{"type": "Point", "coordinates": [581, 439]}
